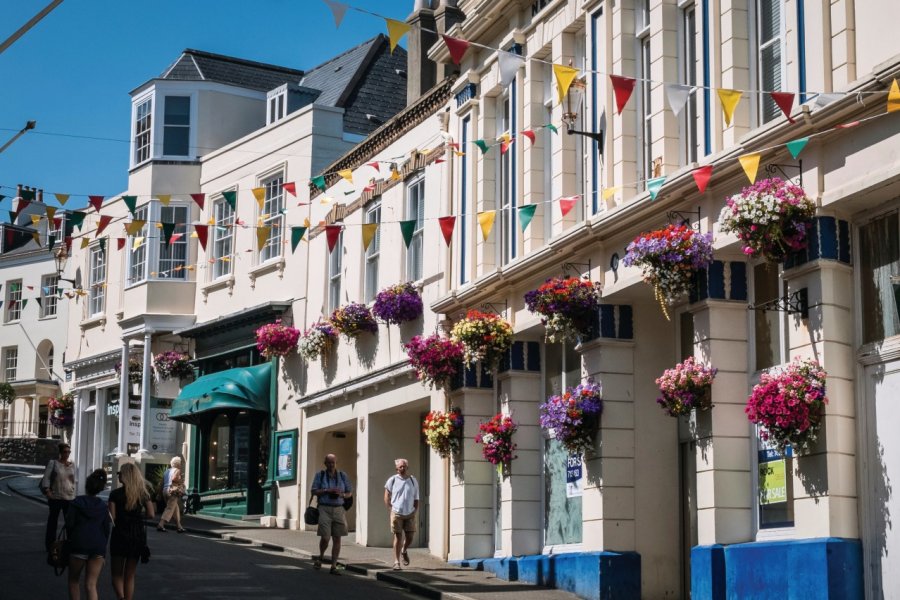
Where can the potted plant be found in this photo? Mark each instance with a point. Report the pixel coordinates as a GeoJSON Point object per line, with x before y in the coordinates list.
{"type": "Point", "coordinates": [485, 337]}
{"type": "Point", "coordinates": [135, 369]}
{"type": "Point", "coordinates": [276, 339]}
{"type": "Point", "coordinates": [173, 364]}
{"type": "Point", "coordinates": [318, 340]}
{"type": "Point", "coordinates": [62, 411]}
{"type": "Point", "coordinates": [7, 394]}
{"type": "Point", "coordinates": [495, 436]}
{"type": "Point", "coordinates": [444, 431]}
{"type": "Point", "coordinates": [398, 303]}
{"type": "Point", "coordinates": [668, 259]}
{"type": "Point", "coordinates": [771, 218]}
{"type": "Point", "coordinates": [789, 403]}
{"type": "Point", "coordinates": [567, 306]}
{"type": "Point", "coordinates": [353, 319]}
{"type": "Point", "coordinates": [437, 359]}
{"type": "Point", "coordinates": [685, 387]}
{"type": "Point", "coordinates": [573, 417]}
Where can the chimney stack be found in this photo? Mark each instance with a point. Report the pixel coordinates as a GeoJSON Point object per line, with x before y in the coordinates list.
{"type": "Point", "coordinates": [421, 72]}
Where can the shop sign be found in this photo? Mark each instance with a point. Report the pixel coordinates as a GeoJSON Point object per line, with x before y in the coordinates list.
{"type": "Point", "coordinates": [772, 482]}
{"type": "Point", "coordinates": [162, 430]}
{"type": "Point", "coordinates": [574, 476]}
{"type": "Point", "coordinates": [286, 457]}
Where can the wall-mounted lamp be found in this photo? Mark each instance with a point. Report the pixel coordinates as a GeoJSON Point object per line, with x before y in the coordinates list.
{"type": "Point", "coordinates": [61, 256]}
{"type": "Point", "coordinates": [574, 102]}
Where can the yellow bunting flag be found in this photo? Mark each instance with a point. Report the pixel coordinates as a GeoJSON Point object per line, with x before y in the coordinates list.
{"type": "Point", "coordinates": [35, 219]}
{"type": "Point", "coordinates": [610, 192]}
{"type": "Point", "coordinates": [158, 225]}
{"type": "Point", "coordinates": [346, 174]}
{"type": "Point", "coordinates": [396, 30]}
{"type": "Point", "coordinates": [85, 243]}
{"type": "Point", "coordinates": [164, 199]}
{"type": "Point", "coordinates": [730, 99]}
{"type": "Point", "coordinates": [51, 212]}
{"type": "Point", "coordinates": [134, 227]}
{"type": "Point", "coordinates": [486, 220]}
{"type": "Point", "coordinates": [395, 174]}
{"type": "Point", "coordinates": [750, 162]}
{"type": "Point", "coordinates": [62, 199]}
{"type": "Point", "coordinates": [138, 241]}
{"type": "Point", "coordinates": [262, 236]}
{"type": "Point", "coordinates": [36, 237]}
{"type": "Point", "coordinates": [368, 233]}
{"type": "Point", "coordinates": [211, 221]}
{"type": "Point", "coordinates": [894, 97]}
{"type": "Point", "coordinates": [260, 195]}
{"type": "Point", "coordinates": [564, 78]}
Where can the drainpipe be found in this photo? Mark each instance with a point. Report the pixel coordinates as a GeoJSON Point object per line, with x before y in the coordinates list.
{"type": "Point", "coordinates": [447, 490]}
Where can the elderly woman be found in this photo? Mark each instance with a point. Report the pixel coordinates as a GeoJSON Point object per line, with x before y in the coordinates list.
{"type": "Point", "coordinates": [173, 491]}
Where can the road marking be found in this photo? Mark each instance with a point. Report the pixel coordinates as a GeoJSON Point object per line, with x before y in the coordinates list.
{"type": "Point", "coordinates": [284, 567]}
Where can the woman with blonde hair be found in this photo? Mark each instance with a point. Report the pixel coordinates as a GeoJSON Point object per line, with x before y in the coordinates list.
{"type": "Point", "coordinates": [173, 490]}
{"type": "Point", "coordinates": [128, 542]}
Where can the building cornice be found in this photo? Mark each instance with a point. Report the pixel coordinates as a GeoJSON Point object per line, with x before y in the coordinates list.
{"type": "Point", "coordinates": [93, 360]}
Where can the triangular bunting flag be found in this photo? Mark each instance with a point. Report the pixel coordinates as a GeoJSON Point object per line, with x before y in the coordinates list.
{"type": "Point", "coordinates": [785, 101]}
{"type": "Point", "coordinates": [701, 177]}
{"type": "Point", "coordinates": [24, 303]}
{"type": "Point", "coordinates": [120, 243]}
{"type": "Point", "coordinates": [164, 199]}
{"type": "Point", "coordinates": [374, 165]}
{"type": "Point", "coordinates": [483, 145]}
{"type": "Point", "coordinates": [290, 187]}
{"type": "Point", "coordinates": [296, 236]}
{"type": "Point", "coordinates": [750, 163]}
{"type": "Point", "coordinates": [552, 128]}
{"type": "Point", "coordinates": [456, 47]}
{"type": "Point", "coordinates": [175, 237]}
{"type": "Point", "coordinates": [131, 203]}
{"type": "Point", "coordinates": [566, 204]}
{"type": "Point", "coordinates": [623, 87]}
{"type": "Point", "coordinates": [51, 212]}
{"type": "Point", "coordinates": [168, 230]}
{"type": "Point", "coordinates": [396, 30]}
{"type": "Point", "coordinates": [202, 232]}
{"type": "Point", "coordinates": [62, 199]}
{"type": "Point", "coordinates": [564, 78]}
{"type": "Point", "coordinates": [504, 145]}
{"type": "Point", "coordinates": [526, 214]}
{"type": "Point", "coordinates": [200, 199]}
{"type": "Point", "coordinates": [677, 95]}
{"type": "Point", "coordinates": [529, 134]}
{"type": "Point", "coordinates": [35, 220]}
{"type": "Point", "coordinates": [134, 227]}
{"type": "Point", "coordinates": [610, 192]}
{"type": "Point", "coordinates": [368, 234]}
{"type": "Point", "coordinates": [509, 65]}
{"type": "Point", "coordinates": [36, 237]}
{"type": "Point", "coordinates": [262, 236]}
{"type": "Point", "coordinates": [654, 185]}
{"type": "Point", "coordinates": [230, 198]}
{"type": "Point", "coordinates": [332, 232]}
{"type": "Point", "coordinates": [260, 194]}
{"type": "Point", "coordinates": [346, 174]}
{"type": "Point", "coordinates": [319, 182]}
{"type": "Point", "coordinates": [96, 202]}
{"type": "Point", "coordinates": [23, 204]}
{"type": "Point", "coordinates": [85, 243]}
{"type": "Point", "coordinates": [486, 220]}
{"type": "Point", "coordinates": [138, 241]}
{"type": "Point", "coordinates": [338, 9]}
{"type": "Point", "coordinates": [795, 147]}
{"type": "Point", "coordinates": [893, 101]}
{"type": "Point", "coordinates": [76, 218]}
{"type": "Point", "coordinates": [407, 228]}
{"type": "Point", "coordinates": [105, 220]}
{"type": "Point", "coordinates": [729, 99]}
{"type": "Point", "coordinates": [447, 224]}
{"type": "Point", "coordinates": [39, 302]}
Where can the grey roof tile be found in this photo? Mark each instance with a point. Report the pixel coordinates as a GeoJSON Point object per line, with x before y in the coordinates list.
{"type": "Point", "coordinates": [196, 65]}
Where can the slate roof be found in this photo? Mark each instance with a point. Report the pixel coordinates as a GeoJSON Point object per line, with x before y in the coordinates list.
{"type": "Point", "coordinates": [196, 65]}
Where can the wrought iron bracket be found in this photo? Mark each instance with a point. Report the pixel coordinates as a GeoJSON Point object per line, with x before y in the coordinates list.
{"type": "Point", "coordinates": [574, 266]}
{"type": "Point", "coordinates": [492, 306]}
{"type": "Point", "coordinates": [793, 304]}
{"type": "Point", "coordinates": [597, 136]}
{"type": "Point", "coordinates": [684, 217]}
{"type": "Point", "coordinates": [773, 168]}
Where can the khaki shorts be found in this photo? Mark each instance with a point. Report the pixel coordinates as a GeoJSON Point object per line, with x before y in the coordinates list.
{"type": "Point", "coordinates": [401, 523]}
{"type": "Point", "coordinates": [332, 521]}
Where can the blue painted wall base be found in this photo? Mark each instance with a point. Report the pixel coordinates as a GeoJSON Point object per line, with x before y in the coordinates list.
{"type": "Point", "coordinates": [592, 575]}
{"type": "Point", "coordinates": [812, 569]}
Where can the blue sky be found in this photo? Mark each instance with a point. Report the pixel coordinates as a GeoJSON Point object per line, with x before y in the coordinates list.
{"type": "Point", "coordinates": [73, 71]}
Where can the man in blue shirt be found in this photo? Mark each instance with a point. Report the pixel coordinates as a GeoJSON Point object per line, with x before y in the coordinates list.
{"type": "Point", "coordinates": [331, 487]}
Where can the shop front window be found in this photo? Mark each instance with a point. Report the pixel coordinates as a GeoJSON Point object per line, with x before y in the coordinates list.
{"type": "Point", "coordinates": [775, 486]}
{"type": "Point", "coordinates": [229, 452]}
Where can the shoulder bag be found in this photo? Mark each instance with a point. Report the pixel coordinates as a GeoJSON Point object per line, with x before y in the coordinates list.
{"type": "Point", "coordinates": [311, 514]}
{"type": "Point", "coordinates": [58, 556]}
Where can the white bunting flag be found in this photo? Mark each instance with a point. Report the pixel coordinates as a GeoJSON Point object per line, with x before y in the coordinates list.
{"type": "Point", "coordinates": [677, 95]}
{"type": "Point", "coordinates": [509, 65]}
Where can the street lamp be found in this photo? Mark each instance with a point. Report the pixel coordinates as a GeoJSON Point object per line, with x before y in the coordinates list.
{"type": "Point", "coordinates": [29, 125]}
{"type": "Point", "coordinates": [61, 257]}
{"type": "Point", "coordinates": [574, 100]}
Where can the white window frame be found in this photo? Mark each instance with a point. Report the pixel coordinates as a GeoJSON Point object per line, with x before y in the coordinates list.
{"type": "Point", "coordinates": [222, 242]}
{"type": "Point", "coordinates": [373, 252]}
{"type": "Point", "coordinates": [504, 177]}
{"type": "Point", "coordinates": [550, 141]}
{"type": "Point", "coordinates": [464, 209]}
{"type": "Point", "coordinates": [272, 216]}
{"type": "Point", "coordinates": [276, 107]}
{"type": "Point", "coordinates": [176, 254]}
{"type": "Point", "coordinates": [138, 260]}
{"type": "Point", "coordinates": [166, 126]}
{"type": "Point", "coordinates": [10, 363]}
{"type": "Point", "coordinates": [13, 301]}
{"type": "Point", "coordinates": [96, 304]}
{"type": "Point", "coordinates": [142, 130]}
{"type": "Point", "coordinates": [415, 210]}
{"type": "Point", "coordinates": [688, 65]}
{"type": "Point", "coordinates": [335, 265]}
{"type": "Point", "coordinates": [643, 63]}
{"type": "Point", "coordinates": [49, 298]}
{"type": "Point", "coordinates": [765, 108]}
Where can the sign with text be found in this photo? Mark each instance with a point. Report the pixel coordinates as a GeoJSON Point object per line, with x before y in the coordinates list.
{"type": "Point", "coordinates": [574, 476]}
{"type": "Point", "coordinates": [772, 482]}
{"type": "Point", "coordinates": [163, 431]}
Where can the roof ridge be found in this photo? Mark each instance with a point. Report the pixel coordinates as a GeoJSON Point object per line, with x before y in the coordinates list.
{"type": "Point", "coordinates": [378, 38]}
{"type": "Point", "coordinates": [242, 61]}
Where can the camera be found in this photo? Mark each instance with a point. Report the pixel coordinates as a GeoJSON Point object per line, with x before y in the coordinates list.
{"type": "Point", "coordinates": [333, 496]}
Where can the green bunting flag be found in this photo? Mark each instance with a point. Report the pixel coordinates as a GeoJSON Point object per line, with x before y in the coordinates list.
{"type": "Point", "coordinates": [795, 147]}
{"type": "Point", "coordinates": [526, 213]}
{"type": "Point", "coordinates": [131, 203]}
{"type": "Point", "coordinates": [319, 182]}
{"type": "Point", "coordinates": [231, 199]}
{"type": "Point", "coordinates": [51, 240]}
{"type": "Point", "coordinates": [38, 300]}
{"type": "Point", "coordinates": [483, 145]}
{"type": "Point", "coordinates": [103, 244]}
{"type": "Point", "coordinates": [168, 230]}
{"type": "Point", "coordinates": [24, 303]}
{"type": "Point", "coordinates": [297, 234]}
{"type": "Point", "coordinates": [552, 128]}
{"type": "Point", "coordinates": [407, 228]}
{"type": "Point", "coordinates": [654, 185]}
{"type": "Point", "coordinates": [76, 218]}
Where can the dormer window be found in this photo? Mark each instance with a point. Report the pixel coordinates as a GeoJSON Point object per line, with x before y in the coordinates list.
{"type": "Point", "coordinates": [177, 125]}
{"type": "Point", "coordinates": [277, 105]}
{"type": "Point", "coordinates": [143, 115]}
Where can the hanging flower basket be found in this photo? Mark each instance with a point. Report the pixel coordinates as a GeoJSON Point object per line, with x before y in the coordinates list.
{"type": "Point", "coordinates": [444, 431]}
{"type": "Point", "coordinates": [275, 339]}
{"type": "Point", "coordinates": [62, 411]}
{"type": "Point", "coordinates": [173, 365]}
{"type": "Point", "coordinates": [353, 319]}
{"type": "Point", "coordinates": [135, 369]}
{"type": "Point", "coordinates": [573, 417]}
{"type": "Point", "coordinates": [567, 306]}
{"type": "Point", "coordinates": [495, 436]}
{"type": "Point", "coordinates": [437, 360]}
{"type": "Point", "coordinates": [317, 341]}
{"type": "Point", "coordinates": [668, 259]}
{"type": "Point", "coordinates": [486, 338]}
{"type": "Point", "coordinates": [789, 404]}
{"type": "Point", "coordinates": [398, 303]}
{"type": "Point", "coordinates": [771, 218]}
{"type": "Point", "coordinates": [685, 387]}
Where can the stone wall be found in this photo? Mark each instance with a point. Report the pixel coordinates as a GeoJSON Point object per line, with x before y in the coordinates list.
{"type": "Point", "coordinates": [28, 451]}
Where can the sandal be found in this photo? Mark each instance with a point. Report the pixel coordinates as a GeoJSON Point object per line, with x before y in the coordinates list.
{"type": "Point", "coordinates": [334, 571]}
{"type": "Point", "coordinates": [161, 529]}
{"type": "Point", "coordinates": [181, 530]}
{"type": "Point", "coordinates": [396, 566]}
{"type": "Point", "coordinates": [317, 563]}
{"type": "Point", "coordinates": [405, 556]}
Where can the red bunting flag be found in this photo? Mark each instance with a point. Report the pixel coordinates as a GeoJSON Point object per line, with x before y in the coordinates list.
{"type": "Point", "coordinates": [57, 222]}
{"type": "Point", "coordinates": [457, 48]}
{"type": "Point", "coordinates": [175, 237]}
{"type": "Point", "coordinates": [701, 177]}
{"type": "Point", "coordinates": [438, 161]}
{"type": "Point", "coordinates": [331, 233]}
{"type": "Point", "coordinates": [120, 243]}
{"type": "Point", "coordinates": [505, 144]}
{"type": "Point", "coordinates": [374, 165]}
{"type": "Point", "coordinates": [566, 204]}
{"type": "Point", "coordinates": [369, 188]}
{"type": "Point", "coordinates": [290, 187]}
{"type": "Point", "coordinates": [23, 204]}
{"type": "Point", "coordinates": [785, 101]}
{"type": "Point", "coordinates": [454, 145]}
{"type": "Point", "coordinates": [202, 231]}
{"type": "Point", "coordinates": [105, 220]}
{"type": "Point", "coordinates": [96, 202]}
{"type": "Point", "coordinates": [68, 240]}
{"type": "Point", "coordinates": [623, 87]}
{"type": "Point", "coordinates": [199, 199]}
{"type": "Point", "coordinates": [529, 134]}
{"type": "Point", "coordinates": [447, 224]}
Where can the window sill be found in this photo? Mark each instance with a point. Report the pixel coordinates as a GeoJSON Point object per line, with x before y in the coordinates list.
{"type": "Point", "coordinates": [13, 322]}
{"type": "Point", "coordinates": [218, 284]}
{"type": "Point", "coordinates": [46, 317]}
{"type": "Point", "coordinates": [95, 321]}
{"type": "Point", "coordinates": [273, 264]}
{"type": "Point", "coordinates": [775, 533]}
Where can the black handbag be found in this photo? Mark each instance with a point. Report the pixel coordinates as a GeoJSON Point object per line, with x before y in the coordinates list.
{"type": "Point", "coordinates": [311, 514]}
{"type": "Point", "coordinates": [348, 503]}
{"type": "Point", "coordinates": [58, 556]}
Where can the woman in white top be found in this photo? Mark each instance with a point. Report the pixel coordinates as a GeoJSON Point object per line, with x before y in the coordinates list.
{"type": "Point", "coordinates": [58, 486]}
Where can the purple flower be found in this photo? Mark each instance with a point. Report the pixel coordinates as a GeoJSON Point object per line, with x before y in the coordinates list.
{"type": "Point", "coordinates": [398, 303]}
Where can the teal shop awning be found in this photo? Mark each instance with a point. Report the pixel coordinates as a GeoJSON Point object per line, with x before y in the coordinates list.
{"type": "Point", "coordinates": [234, 389]}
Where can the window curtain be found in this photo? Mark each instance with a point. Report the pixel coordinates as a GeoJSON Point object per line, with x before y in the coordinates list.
{"type": "Point", "coordinates": [879, 246]}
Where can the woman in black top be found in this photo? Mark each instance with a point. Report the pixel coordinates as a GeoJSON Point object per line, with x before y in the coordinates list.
{"type": "Point", "coordinates": [126, 505]}
{"type": "Point", "coordinates": [87, 529]}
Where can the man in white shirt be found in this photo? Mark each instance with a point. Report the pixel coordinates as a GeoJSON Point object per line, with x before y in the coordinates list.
{"type": "Point", "coordinates": [401, 496]}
